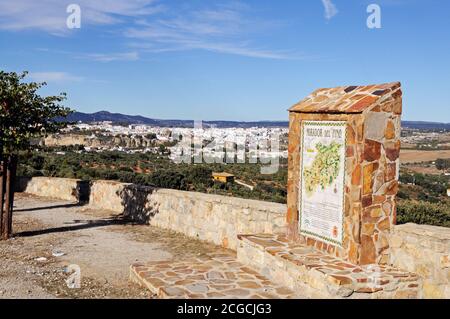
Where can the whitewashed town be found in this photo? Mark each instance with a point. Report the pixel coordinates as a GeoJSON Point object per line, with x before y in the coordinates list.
{"type": "Point", "coordinates": [135, 138]}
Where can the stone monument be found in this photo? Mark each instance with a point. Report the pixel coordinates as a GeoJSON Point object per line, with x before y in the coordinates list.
{"type": "Point", "coordinates": [343, 170]}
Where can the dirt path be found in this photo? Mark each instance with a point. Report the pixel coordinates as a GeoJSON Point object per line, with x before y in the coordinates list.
{"type": "Point", "coordinates": [100, 243]}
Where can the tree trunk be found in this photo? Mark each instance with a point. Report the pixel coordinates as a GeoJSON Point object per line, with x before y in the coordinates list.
{"type": "Point", "coordinates": [2, 190]}
{"type": "Point", "coordinates": [11, 164]}
{"type": "Point", "coordinates": [2, 185]}
{"type": "Point", "coordinates": [12, 190]}
{"type": "Point", "coordinates": [4, 216]}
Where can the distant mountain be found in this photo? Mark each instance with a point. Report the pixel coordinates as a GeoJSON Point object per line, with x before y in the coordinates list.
{"type": "Point", "coordinates": [421, 125]}
{"type": "Point", "coordinates": [107, 116]}
{"type": "Point", "coordinates": [137, 119]}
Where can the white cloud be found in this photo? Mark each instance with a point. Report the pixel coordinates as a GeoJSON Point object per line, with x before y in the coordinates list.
{"type": "Point", "coordinates": [219, 29]}
{"type": "Point", "coordinates": [109, 57]}
{"type": "Point", "coordinates": [150, 26]}
{"type": "Point", "coordinates": [330, 9]}
{"type": "Point", "coordinates": [225, 48]}
{"type": "Point", "coordinates": [51, 15]}
{"type": "Point", "coordinates": [242, 50]}
{"type": "Point", "coordinates": [95, 56]}
{"type": "Point", "coordinates": [54, 77]}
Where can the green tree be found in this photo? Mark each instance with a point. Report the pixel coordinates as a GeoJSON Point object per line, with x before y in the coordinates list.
{"type": "Point", "coordinates": [442, 164]}
{"type": "Point", "coordinates": [420, 212]}
{"type": "Point", "coordinates": [24, 114]}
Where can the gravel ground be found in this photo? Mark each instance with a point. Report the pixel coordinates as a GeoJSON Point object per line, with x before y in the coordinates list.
{"type": "Point", "coordinates": [99, 242]}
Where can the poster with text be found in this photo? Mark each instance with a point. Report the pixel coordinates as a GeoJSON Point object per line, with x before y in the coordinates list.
{"type": "Point", "coordinates": [321, 196]}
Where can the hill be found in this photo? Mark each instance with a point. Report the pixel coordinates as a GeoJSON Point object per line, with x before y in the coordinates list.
{"type": "Point", "coordinates": [137, 119]}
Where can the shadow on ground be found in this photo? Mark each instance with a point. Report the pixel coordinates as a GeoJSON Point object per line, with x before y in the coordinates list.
{"type": "Point", "coordinates": [47, 207]}
{"type": "Point", "coordinates": [87, 224]}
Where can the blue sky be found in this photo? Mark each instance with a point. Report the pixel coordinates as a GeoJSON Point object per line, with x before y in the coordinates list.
{"type": "Point", "coordinates": [231, 60]}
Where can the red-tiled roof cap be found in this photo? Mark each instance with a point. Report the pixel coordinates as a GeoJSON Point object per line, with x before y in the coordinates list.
{"type": "Point", "coordinates": [345, 99]}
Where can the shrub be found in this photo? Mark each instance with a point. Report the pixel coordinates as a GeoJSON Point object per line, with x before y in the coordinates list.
{"type": "Point", "coordinates": [199, 175]}
{"type": "Point", "coordinates": [168, 179]}
{"type": "Point", "coordinates": [443, 163]}
{"type": "Point", "coordinates": [423, 213]}
{"type": "Point", "coordinates": [125, 177]}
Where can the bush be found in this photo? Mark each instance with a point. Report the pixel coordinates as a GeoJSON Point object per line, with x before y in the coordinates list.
{"type": "Point", "coordinates": [125, 177]}
{"type": "Point", "coordinates": [443, 163]}
{"type": "Point", "coordinates": [125, 169]}
{"type": "Point", "coordinates": [199, 175]}
{"type": "Point", "coordinates": [168, 179]}
{"type": "Point", "coordinates": [104, 174]}
{"type": "Point", "coordinates": [402, 194]}
{"type": "Point", "coordinates": [37, 161]}
{"type": "Point", "coordinates": [423, 213]}
{"type": "Point", "coordinates": [27, 171]}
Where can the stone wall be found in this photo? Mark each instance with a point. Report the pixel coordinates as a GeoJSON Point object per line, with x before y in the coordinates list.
{"type": "Point", "coordinates": [66, 140]}
{"type": "Point", "coordinates": [60, 188]}
{"type": "Point", "coordinates": [214, 218]}
{"type": "Point", "coordinates": [107, 195]}
{"type": "Point", "coordinates": [79, 139]}
{"type": "Point", "coordinates": [424, 250]}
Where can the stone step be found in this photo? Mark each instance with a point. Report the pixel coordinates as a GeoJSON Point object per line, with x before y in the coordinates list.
{"type": "Point", "coordinates": [318, 275]}
{"type": "Point", "coordinates": [211, 276]}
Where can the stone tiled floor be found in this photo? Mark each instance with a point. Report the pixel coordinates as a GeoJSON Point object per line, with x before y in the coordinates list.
{"type": "Point", "coordinates": [211, 276]}
{"type": "Point", "coordinates": [220, 275]}
{"type": "Point", "coordinates": [361, 279]}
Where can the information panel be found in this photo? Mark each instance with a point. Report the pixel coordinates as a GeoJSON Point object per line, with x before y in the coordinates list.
{"type": "Point", "coordinates": [321, 199]}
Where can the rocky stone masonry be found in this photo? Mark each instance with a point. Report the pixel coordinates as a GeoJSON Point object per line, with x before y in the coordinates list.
{"type": "Point", "coordinates": [60, 188]}
{"type": "Point", "coordinates": [217, 219]}
{"type": "Point", "coordinates": [372, 114]}
{"type": "Point", "coordinates": [424, 250]}
{"type": "Point", "coordinates": [319, 275]}
{"type": "Point", "coordinates": [128, 141]}
{"type": "Point", "coordinates": [106, 195]}
{"type": "Point", "coordinates": [214, 276]}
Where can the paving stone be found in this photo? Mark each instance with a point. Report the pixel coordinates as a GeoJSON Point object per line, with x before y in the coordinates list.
{"type": "Point", "coordinates": [197, 288]}
{"type": "Point", "coordinates": [223, 278]}
{"type": "Point", "coordinates": [337, 274]}
{"type": "Point", "coordinates": [214, 275]}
